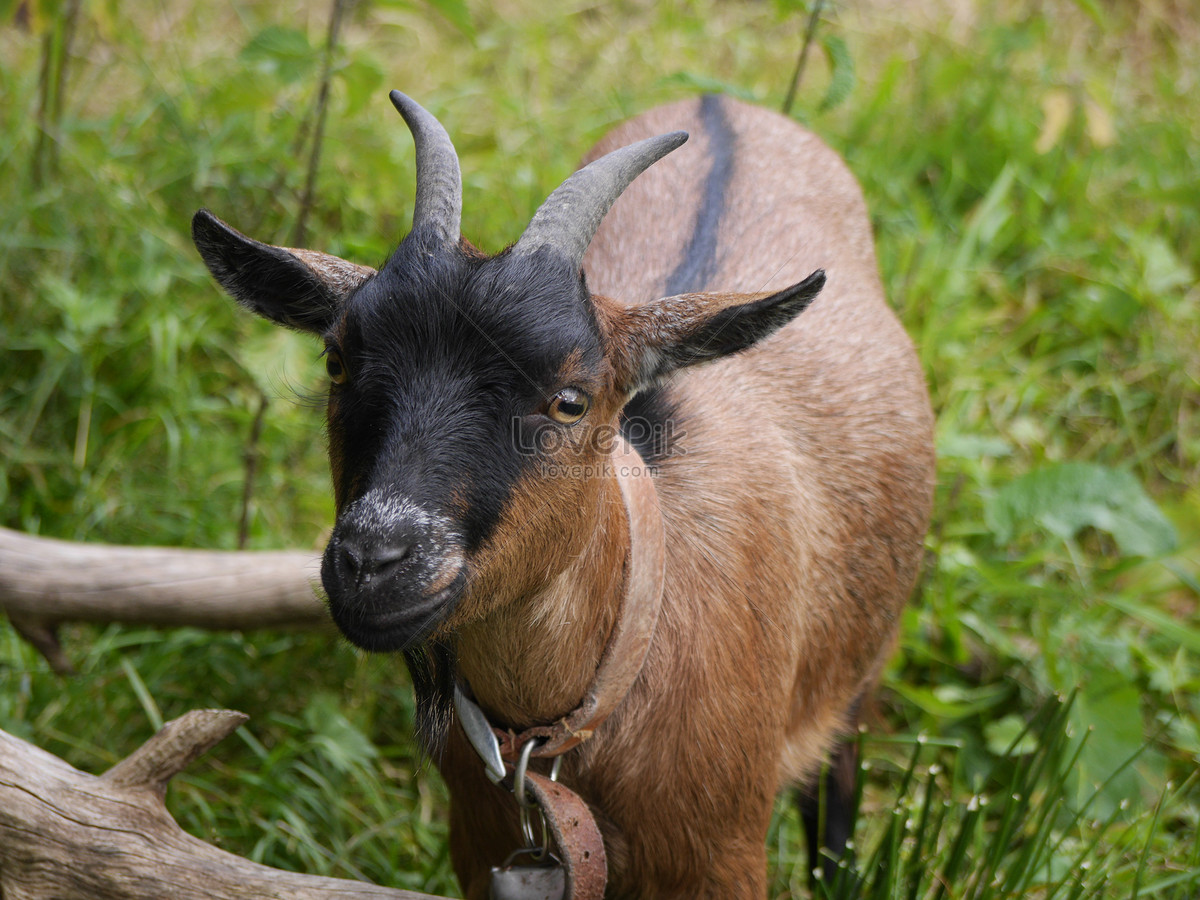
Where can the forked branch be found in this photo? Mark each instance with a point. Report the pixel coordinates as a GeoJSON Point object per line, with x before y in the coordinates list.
{"type": "Point", "coordinates": [69, 835]}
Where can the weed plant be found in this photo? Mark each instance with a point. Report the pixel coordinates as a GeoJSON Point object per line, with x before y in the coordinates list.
{"type": "Point", "coordinates": [1031, 168]}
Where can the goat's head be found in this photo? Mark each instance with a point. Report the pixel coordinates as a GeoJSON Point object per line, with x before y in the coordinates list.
{"type": "Point", "coordinates": [463, 387]}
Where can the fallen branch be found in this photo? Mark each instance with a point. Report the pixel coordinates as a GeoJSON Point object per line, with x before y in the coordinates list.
{"type": "Point", "coordinates": [73, 836]}
{"type": "Point", "coordinates": [45, 582]}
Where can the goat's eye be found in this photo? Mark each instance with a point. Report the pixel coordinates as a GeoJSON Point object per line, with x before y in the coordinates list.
{"type": "Point", "coordinates": [335, 367]}
{"type": "Point", "coordinates": [568, 406]}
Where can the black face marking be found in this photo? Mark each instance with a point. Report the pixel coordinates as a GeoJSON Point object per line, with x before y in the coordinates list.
{"type": "Point", "coordinates": [447, 352]}
{"type": "Point", "coordinates": [451, 358]}
{"type": "Point", "coordinates": [651, 423]}
{"type": "Point", "coordinates": [700, 260]}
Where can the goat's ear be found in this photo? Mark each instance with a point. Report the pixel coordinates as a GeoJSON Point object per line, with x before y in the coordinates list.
{"type": "Point", "coordinates": [302, 289]}
{"type": "Point", "coordinates": [651, 341]}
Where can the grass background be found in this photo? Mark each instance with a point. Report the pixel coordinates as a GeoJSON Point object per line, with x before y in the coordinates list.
{"type": "Point", "coordinates": [1032, 172]}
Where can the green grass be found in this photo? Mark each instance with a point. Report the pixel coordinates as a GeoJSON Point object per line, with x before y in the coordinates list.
{"type": "Point", "coordinates": [1031, 170]}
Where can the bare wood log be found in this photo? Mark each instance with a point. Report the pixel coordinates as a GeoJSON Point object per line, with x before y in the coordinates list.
{"type": "Point", "coordinates": [45, 582]}
{"type": "Point", "coordinates": [69, 835]}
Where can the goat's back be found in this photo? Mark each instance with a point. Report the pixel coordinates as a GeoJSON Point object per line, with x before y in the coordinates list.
{"type": "Point", "coordinates": [798, 491]}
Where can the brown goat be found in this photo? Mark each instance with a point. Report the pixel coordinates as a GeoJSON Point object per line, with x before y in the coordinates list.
{"type": "Point", "coordinates": [480, 416]}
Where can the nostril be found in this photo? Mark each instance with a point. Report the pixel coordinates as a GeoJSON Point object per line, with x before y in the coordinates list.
{"type": "Point", "coordinates": [351, 560]}
{"type": "Point", "coordinates": [390, 558]}
{"type": "Point", "coordinates": [361, 565]}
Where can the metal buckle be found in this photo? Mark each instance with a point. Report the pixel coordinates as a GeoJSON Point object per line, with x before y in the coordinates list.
{"type": "Point", "coordinates": [479, 732]}
{"type": "Point", "coordinates": [481, 736]}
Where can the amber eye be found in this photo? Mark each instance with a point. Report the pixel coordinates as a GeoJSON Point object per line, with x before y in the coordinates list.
{"type": "Point", "coordinates": [335, 367]}
{"type": "Point", "coordinates": [568, 406]}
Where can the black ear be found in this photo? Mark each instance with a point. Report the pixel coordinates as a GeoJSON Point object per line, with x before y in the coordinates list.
{"type": "Point", "coordinates": [302, 289]}
{"type": "Point", "coordinates": [653, 340]}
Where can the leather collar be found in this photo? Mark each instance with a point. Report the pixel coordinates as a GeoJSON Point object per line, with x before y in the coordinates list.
{"type": "Point", "coordinates": [629, 642]}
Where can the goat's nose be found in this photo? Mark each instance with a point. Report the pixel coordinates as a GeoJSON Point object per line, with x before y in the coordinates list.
{"type": "Point", "coordinates": [362, 564]}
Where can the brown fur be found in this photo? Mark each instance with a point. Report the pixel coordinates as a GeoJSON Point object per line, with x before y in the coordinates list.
{"type": "Point", "coordinates": [794, 520]}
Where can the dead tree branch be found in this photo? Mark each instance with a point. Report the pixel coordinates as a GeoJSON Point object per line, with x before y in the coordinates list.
{"type": "Point", "coordinates": [72, 836]}
{"type": "Point", "coordinates": [46, 582]}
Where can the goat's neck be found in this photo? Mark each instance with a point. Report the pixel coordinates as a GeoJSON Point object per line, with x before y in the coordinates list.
{"type": "Point", "coordinates": [531, 661]}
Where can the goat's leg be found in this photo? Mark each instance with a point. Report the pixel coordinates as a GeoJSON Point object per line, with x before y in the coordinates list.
{"type": "Point", "coordinates": [833, 790]}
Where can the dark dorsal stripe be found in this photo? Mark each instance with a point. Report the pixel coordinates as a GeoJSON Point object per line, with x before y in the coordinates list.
{"type": "Point", "coordinates": [699, 263]}
{"type": "Point", "coordinates": [651, 420]}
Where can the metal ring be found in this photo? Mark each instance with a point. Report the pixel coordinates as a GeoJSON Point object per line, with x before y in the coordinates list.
{"type": "Point", "coordinates": [527, 829]}
{"type": "Point", "coordinates": [538, 855]}
{"type": "Point", "coordinates": [519, 776]}
{"type": "Point", "coordinates": [525, 806]}
{"type": "Point", "coordinates": [543, 852]}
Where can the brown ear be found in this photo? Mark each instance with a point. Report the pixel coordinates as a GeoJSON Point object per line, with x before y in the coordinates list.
{"type": "Point", "coordinates": [649, 342]}
{"type": "Point", "coordinates": [302, 289]}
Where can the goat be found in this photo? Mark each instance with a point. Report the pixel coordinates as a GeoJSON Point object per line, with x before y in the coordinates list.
{"type": "Point", "coordinates": [482, 415]}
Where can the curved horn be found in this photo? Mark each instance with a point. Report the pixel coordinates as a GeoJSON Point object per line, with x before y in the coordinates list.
{"type": "Point", "coordinates": [568, 219]}
{"type": "Point", "coordinates": [439, 182]}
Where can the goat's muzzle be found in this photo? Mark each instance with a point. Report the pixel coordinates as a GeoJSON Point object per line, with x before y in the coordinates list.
{"type": "Point", "coordinates": [392, 572]}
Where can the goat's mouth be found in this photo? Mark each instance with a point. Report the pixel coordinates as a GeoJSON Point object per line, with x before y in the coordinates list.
{"type": "Point", "coordinates": [388, 621]}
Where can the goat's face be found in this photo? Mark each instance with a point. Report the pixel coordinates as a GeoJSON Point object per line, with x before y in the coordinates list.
{"type": "Point", "coordinates": [474, 401]}
{"type": "Point", "coordinates": [457, 382]}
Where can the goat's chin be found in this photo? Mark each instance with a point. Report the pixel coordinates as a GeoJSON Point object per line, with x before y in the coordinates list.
{"type": "Point", "coordinates": [392, 621]}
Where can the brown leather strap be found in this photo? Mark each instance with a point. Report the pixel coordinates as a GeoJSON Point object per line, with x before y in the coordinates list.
{"type": "Point", "coordinates": [570, 821]}
{"type": "Point", "coordinates": [645, 568]}
{"type": "Point", "coordinates": [575, 834]}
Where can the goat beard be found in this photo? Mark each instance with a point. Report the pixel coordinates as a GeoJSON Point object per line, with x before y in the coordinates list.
{"type": "Point", "coordinates": [432, 668]}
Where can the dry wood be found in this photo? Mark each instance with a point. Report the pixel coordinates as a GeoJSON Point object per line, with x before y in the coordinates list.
{"type": "Point", "coordinates": [72, 836]}
{"type": "Point", "coordinates": [46, 582]}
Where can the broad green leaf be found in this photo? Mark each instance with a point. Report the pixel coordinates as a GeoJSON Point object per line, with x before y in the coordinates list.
{"type": "Point", "coordinates": [284, 52]}
{"type": "Point", "coordinates": [363, 77]}
{"type": "Point", "coordinates": [1001, 733]}
{"type": "Point", "coordinates": [1065, 498]}
{"type": "Point", "coordinates": [841, 65]}
{"type": "Point", "coordinates": [1108, 709]}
